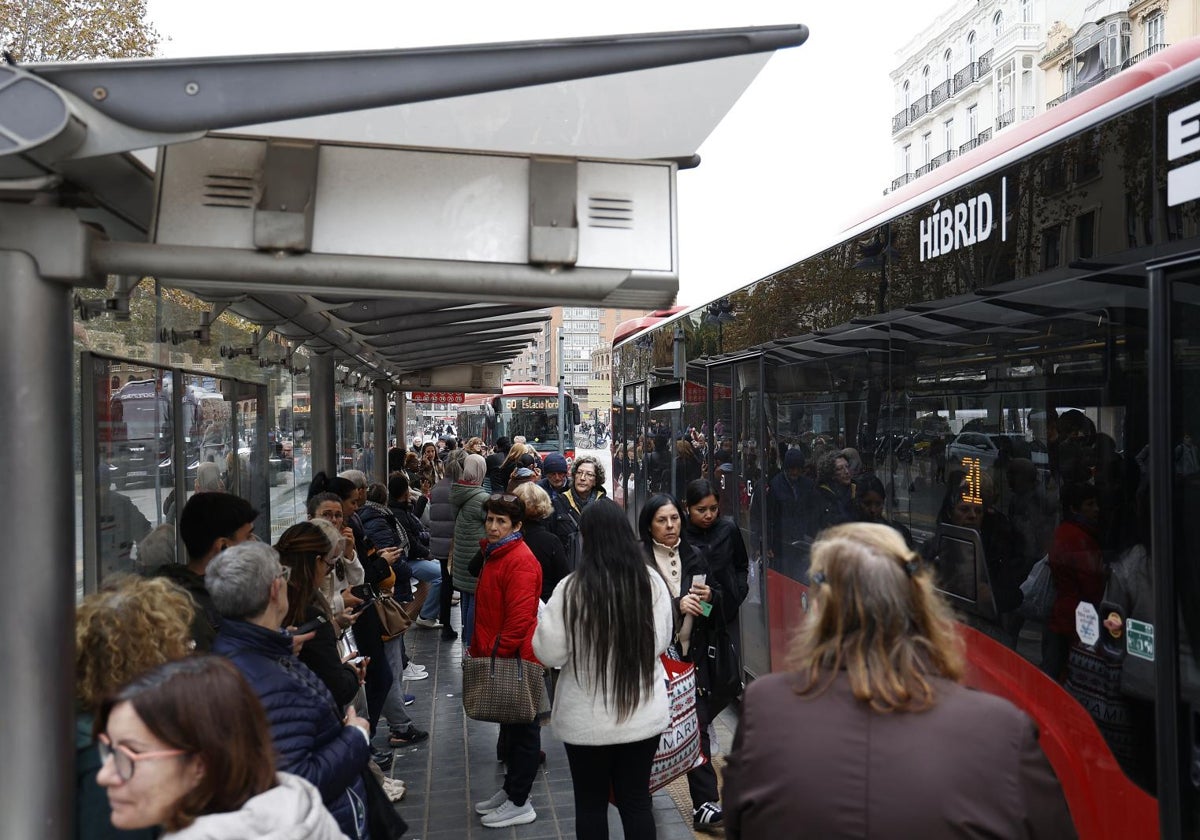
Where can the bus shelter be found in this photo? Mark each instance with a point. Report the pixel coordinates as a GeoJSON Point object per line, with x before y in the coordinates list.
{"type": "Point", "coordinates": [375, 222]}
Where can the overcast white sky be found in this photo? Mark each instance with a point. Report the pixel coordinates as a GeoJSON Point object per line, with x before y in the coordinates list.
{"type": "Point", "coordinates": [806, 147]}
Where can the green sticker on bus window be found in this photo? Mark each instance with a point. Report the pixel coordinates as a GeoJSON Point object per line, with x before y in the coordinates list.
{"type": "Point", "coordinates": [1139, 639]}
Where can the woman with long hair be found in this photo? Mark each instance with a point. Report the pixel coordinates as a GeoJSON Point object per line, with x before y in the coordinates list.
{"type": "Point", "coordinates": [605, 626]}
{"type": "Point", "coordinates": [187, 747]}
{"type": "Point", "coordinates": [306, 551]}
{"type": "Point", "coordinates": [891, 741]}
{"type": "Point", "coordinates": [665, 547]}
{"type": "Point", "coordinates": [127, 628]}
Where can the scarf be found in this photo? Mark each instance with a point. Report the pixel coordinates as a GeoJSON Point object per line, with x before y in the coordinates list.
{"type": "Point", "coordinates": [489, 547]}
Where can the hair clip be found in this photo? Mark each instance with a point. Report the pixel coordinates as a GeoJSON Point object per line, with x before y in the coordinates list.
{"type": "Point", "coordinates": [910, 568]}
{"type": "Point", "coordinates": [819, 578]}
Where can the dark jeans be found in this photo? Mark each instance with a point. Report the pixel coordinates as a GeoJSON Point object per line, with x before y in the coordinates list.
{"type": "Point", "coordinates": [625, 770]}
{"type": "Point", "coordinates": [522, 745]}
{"type": "Point", "coordinates": [702, 781]}
{"type": "Point", "coordinates": [445, 594]}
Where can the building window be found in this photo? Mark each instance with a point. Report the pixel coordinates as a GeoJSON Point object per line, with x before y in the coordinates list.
{"type": "Point", "coordinates": [997, 25]}
{"type": "Point", "coordinates": [972, 121]}
{"type": "Point", "coordinates": [925, 80]}
{"type": "Point", "coordinates": [907, 96]}
{"type": "Point", "coordinates": [1085, 236]}
{"type": "Point", "coordinates": [1155, 31]}
{"type": "Point", "coordinates": [927, 146]}
{"type": "Point", "coordinates": [946, 63]}
{"type": "Point", "coordinates": [948, 133]}
{"type": "Point", "coordinates": [906, 159]}
{"type": "Point", "coordinates": [1026, 11]}
{"type": "Point", "coordinates": [1068, 76]}
{"type": "Point", "coordinates": [1051, 246]}
{"type": "Point", "coordinates": [972, 52]}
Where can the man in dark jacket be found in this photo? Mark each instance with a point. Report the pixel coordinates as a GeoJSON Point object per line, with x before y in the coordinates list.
{"type": "Point", "coordinates": [248, 585]}
{"type": "Point", "coordinates": [493, 482]}
{"type": "Point", "coordinates": [208, 524]}
{"type": "Point", "coordinates": [555, 474]}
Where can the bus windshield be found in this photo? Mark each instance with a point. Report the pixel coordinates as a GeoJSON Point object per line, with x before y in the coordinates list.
{"type": "Point", "coordinates": [537, 419]}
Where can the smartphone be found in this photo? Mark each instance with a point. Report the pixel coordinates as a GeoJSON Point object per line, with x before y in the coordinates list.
{"type": "Point", "coordinates": [310, 626]}
{"type": "Point", "coordinates": [357, 608]}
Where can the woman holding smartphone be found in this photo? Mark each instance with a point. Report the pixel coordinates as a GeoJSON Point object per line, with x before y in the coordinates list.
{"type": "Point", "coordinates": [305, 550]}
{"type": "Point", "coordinates": [660, 527]}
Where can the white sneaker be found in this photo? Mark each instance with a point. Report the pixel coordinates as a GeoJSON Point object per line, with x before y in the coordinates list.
{"type": "Point", "coordinates": [427, 622]}
{"type": "Point", "coordinates": [412, 674]}
{"type": "Point", "coordinates": [510, 814]}
{"type": "Point", "coordinates": [416, 667]}
{"type": "Point", "coordinates": [491, 804]}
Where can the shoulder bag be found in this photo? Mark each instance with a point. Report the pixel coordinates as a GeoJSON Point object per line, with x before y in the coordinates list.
{"type": "Point", "coordinates": [501, 689]}
{"type": "Point", "coordinates": [392, 617]}
{"type": "Point", "coordinates": [679, 745]}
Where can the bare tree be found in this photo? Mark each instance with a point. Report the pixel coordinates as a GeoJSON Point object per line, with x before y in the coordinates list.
{"type": "Point", "coordinates": [75, 30]}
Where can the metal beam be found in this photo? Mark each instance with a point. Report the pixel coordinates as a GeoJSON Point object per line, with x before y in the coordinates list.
{"type": "Point", "coordinates": [321, 406]}
{"type": "Point", "coordinates": [466, 356]}
{"type": "Point", "coordinates": [215, 269]}
{"type": "Point", "coordinates": [431, 318]}
{"type": "Point", "coordinates": [436, 337]}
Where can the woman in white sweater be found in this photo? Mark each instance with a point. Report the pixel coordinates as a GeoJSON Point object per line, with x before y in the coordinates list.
{"type": "Point", "coordinates": [605, 626]}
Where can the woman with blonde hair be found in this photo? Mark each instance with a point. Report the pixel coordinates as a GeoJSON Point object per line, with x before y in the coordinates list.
{"type": "Point", "coordinates": [891, 741]}
{"type": "Point", "coordinates": [127, 628]}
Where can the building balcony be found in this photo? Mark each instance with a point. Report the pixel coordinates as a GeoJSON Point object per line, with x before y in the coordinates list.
{"type": "Point", "coordinates": [1106, 74]}
{"type": "Point", "coordinates": [899, 182]}
{"type": "Point", "coordinates": [1006, 119]}
{"type": "Point", "coordinates": [919, 108]}
{"type": "Point", "coordinates": [926, 169]}
{"type": "Point", "coordinates": [940, 94]}
{"type": "Point", "coordinates": [981, 137]}
{"type": "Point", "coordinates": [985, 63]}
{"type": "Point", "coordinates": [944, 157]}
{"type": "Point", "coordinates": [966, 76]}
{"type": "Point", "coordinates": [1018, 36]}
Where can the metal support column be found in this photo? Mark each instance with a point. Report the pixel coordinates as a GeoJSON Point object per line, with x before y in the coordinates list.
{"type": "Point", "coordinates": [37, 739]}
{"type": "Point", "coordinates": [379, 390]}
{"type": "Point", "coordinates": [563, 418]}
{"type": "Point", "coordinates": [320, 384]}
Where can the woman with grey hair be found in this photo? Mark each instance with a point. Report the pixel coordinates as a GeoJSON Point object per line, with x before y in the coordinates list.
{"type": "Point", "coordinates": [248, 586]}
{"type": "Point", "coordinates": [587, 485]}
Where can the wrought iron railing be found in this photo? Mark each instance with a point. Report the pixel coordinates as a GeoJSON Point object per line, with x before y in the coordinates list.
{"type": "Point", "coordinates": [985, 63]}
{"type": "Point", "coordinates": [1006, 119]}
{"type": "Point", "coordinates": [899, 182]}
{"type": "Point", "coordinates": [919, 108]}
{"type": "Point", "coordinates": [939, 94]}
{"type": "Point", "coordinates": [944, 157]}
{"type": "Point", "coordinates": [900, 120]}
{"type": "Point", "coordinates": [926, 169]}
{"type": "Point", "coordinates": [1027, 112]}
{"type": "Point", "coordinates": [1106, 74]}
{"type": "Point", "coordinates": [981, 137]}
{"type": "Point", "coordinates": [966, 76]}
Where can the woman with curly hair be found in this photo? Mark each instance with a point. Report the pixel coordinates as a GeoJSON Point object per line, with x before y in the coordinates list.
{"type": "Point", "coordinates": [127, 628]}
{"type": "Point", "coordinates": [892, 743]}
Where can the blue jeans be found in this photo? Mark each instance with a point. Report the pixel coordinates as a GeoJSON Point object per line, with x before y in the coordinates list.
{"type": "Point", "coordinates": [429, 571]}
{"type": "Point", "coordinates": [467, 605]}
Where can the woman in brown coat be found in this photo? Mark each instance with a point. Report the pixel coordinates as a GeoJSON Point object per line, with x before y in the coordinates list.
{"type": "Point", "coordinates": [871, 734]}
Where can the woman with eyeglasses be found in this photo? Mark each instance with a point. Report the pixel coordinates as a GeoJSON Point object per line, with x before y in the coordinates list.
{"type": "Point", "coordinates": [128, 627]}
{"type": "Point", "coordinates": [306, 551]}
{"type": "Point", "coordinates": [891, 742]}
{"type": "Point", "coordinates": [586, 485]}
{"type": "Point", "coordinates": [186, 747]}
{"type": "Point", "coordinates": [606, 625]}
{"type": "Point", "coordinates": [506, 609]}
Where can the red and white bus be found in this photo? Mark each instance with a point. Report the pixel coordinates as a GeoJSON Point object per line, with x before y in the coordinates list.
{"type": "Point", "coordinates": [524, 408]}
{"type": "Point", "coordinates": [1024, 318]}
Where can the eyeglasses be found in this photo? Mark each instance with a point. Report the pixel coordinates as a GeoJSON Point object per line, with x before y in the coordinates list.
{"type": "Point", "coordinates": [125, 760]}
{"type": "Point", "coordinates": [502, 497]}
{"type": "Point", "coordinates": [285, 572]}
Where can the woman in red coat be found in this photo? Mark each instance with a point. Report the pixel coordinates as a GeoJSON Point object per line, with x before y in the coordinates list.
{"type": "Point", "coordinates": [506, 604]}
{"type": "Point", "coordinates": [1077, 567]}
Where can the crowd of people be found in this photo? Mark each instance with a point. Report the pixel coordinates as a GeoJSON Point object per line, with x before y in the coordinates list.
{"type": "Point", "coordinates": [239, 693]}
